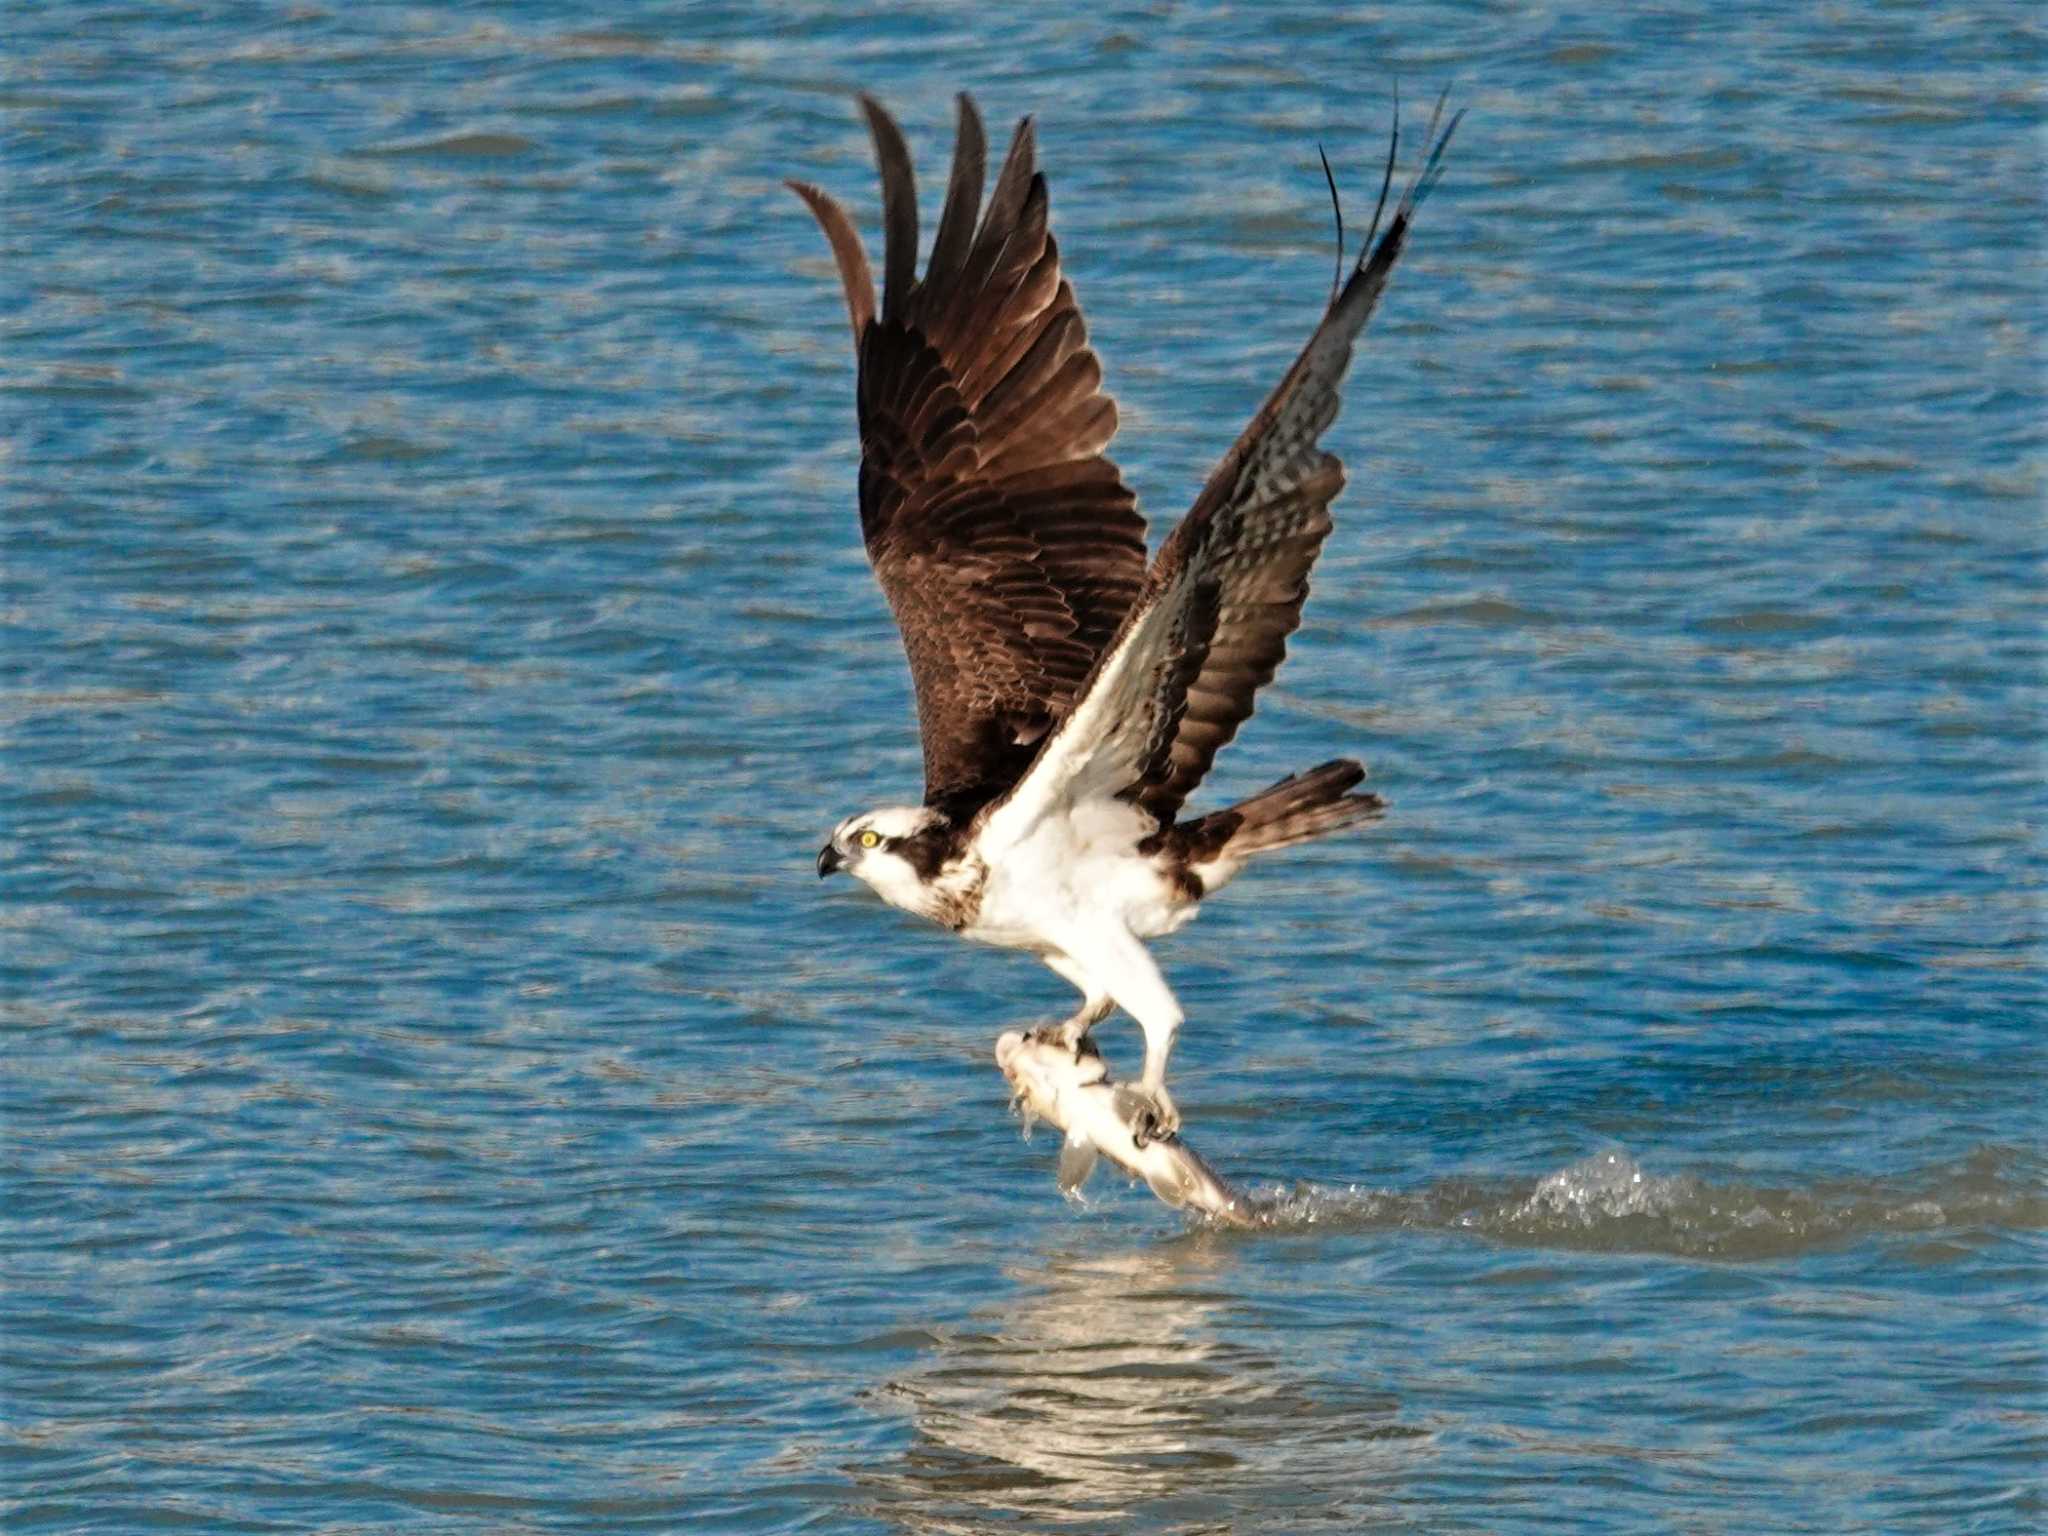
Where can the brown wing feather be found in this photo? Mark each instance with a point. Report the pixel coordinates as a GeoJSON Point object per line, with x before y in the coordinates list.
{"type": "Point", "coordinates": [854, 276]}
{"type": "Point", "coordinates": [1259, 523]}
{"type": "Point", "coordinates": [1004, 538]}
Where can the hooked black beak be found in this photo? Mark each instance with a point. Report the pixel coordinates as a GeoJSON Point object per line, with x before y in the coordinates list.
{"type": "Point", "coordinates": [830, 859]}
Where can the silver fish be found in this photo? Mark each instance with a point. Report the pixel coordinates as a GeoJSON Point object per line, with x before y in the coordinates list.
{"type": "Point", "coordinates": [1075, 1093]}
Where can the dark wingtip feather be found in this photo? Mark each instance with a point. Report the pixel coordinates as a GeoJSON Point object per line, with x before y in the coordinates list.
{"type": "Point", "coordinates": [1432, 170]}
{"type": "Point", "coordinates": [963, 198]}
{"type": "Point", "coordinates": [1386, 181]}
{"type": "Point", "coordinates": [847, 252]}
{"type": "Point", "coordinates": [1336, 212]}
{"type": "Point", "coordinates": [1006, 203]}
{"type": "Point", "coordinates": [899, 207]}
{"type": "Point", "coordinates": [1376, 261]}
{"type": "Point", "coordinates": [1425, 179]}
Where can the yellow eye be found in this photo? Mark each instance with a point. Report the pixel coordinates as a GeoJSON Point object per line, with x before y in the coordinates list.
{"type": "Point", "coordinates": [871, 839]}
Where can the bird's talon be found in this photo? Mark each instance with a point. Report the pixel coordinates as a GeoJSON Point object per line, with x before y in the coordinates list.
{"type": "Point", "coordinates": [1061, 1037]}
{"type": "Point", "coordinates": [1050, 1034]}
{"type": "Point", "coordinates": [1149, 1113]}
{"type": "Point", "coordinates": [1070, 1035]}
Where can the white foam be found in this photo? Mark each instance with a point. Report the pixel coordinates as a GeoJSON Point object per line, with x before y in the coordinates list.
{"type": "Point", "coordinates": [1604, 1186]}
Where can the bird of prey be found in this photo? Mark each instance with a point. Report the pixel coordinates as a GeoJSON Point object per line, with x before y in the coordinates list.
{"type": "Point", "coordinates": [1070, 695]}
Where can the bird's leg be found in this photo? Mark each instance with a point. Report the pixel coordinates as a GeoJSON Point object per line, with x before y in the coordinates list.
{"type": "Point", "coordinates": [1146, 1106]}
{"type": "Point", "coordinates": [1109, 964]}
{"type": "Point", "coordinates": [1071, 1033]}
{"type": "Point", "coordinates": [1096, 1005]}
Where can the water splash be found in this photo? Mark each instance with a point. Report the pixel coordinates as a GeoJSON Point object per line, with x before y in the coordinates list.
{"type": "Point", "coordinates": [1610, 1202]}
{"type": "Point", "coordinates": [1606, 1185]}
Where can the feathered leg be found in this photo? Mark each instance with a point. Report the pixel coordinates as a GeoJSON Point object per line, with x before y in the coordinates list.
{"type": "Point", "coordinates": [1116, 963]}
{"type": "Point", "coordinates": [1096, 1005]}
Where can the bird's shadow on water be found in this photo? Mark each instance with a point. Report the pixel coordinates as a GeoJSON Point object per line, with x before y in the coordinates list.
{"type": "Point", "coordinates": [1110, 1390]}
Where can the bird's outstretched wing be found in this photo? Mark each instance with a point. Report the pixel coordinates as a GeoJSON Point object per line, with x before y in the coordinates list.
{"type": "Point", "coordinates": [1227, 587]}
{"type": "Point", "coordinates": [1007, 544]}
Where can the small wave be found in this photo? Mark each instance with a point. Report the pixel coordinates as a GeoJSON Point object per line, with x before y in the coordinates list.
{"type": "Point", "coordinates": [1607, 1184]}
{"type": "Point", "coordinates": [1609, 1202]}
{"type": "Point", "coordinates": [459, 146]}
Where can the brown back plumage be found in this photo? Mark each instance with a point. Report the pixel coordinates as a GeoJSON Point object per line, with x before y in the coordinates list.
{"type": "Point", "coordinates": [1007, 544]}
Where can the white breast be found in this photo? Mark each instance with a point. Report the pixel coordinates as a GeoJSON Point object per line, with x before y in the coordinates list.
{"type": "Point", "coordinates": [1082, 867]}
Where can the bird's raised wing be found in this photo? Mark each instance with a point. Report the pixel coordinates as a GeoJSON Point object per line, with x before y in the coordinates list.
{"type": "Point", "coordinates": [1227, 587]}
{"type": "Point", "coordinates": [1007, 545]}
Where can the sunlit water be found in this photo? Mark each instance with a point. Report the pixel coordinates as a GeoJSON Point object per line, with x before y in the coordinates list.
{"type": "Point", "coordinates": [440, 1097]}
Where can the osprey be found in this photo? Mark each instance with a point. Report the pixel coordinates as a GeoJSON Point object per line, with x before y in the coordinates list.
{"type": "Point", "coordinates": [1070, 697]}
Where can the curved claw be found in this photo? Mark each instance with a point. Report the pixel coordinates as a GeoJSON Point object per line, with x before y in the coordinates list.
{"type": "Point", "coordinates": [1067, 1034]}
{"type": "Point", "coordinates": [1149, 1112]}
{"type": "Point", "coordinates": [1087, 1055]}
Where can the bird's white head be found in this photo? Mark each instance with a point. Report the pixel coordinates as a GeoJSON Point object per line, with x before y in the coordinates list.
{"type": "Point", "coordinates": [896, 850]}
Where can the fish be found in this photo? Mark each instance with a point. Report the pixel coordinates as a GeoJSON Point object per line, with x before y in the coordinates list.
{"type": "Point", "coordinates": [1073, 1091]}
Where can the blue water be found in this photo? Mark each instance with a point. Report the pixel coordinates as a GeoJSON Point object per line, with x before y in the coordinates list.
{"type": "Point", "coordinates": [440, 1097]}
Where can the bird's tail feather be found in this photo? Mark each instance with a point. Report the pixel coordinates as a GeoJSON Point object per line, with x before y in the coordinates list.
{"type": "Point", "coordinates": [1300, 807]}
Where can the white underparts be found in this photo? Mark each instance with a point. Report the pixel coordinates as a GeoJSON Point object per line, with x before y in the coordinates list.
{"type": "Point", "coordinates": [1070, 886]}
{"type": "Point", "coordinates": [1075, 890]}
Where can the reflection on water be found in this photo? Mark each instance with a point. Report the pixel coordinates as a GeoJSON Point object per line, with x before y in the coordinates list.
{"type": "Point", "coordinates": [437, 633]}
{"type": "Point", "coordinates": [1110, 1387]}
{"type": "Point", "coordinates": [1178, 1388]}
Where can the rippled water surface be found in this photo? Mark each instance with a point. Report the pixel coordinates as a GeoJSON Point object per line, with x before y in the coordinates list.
{"type": "Point", "coordinates": [438, 1094]}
